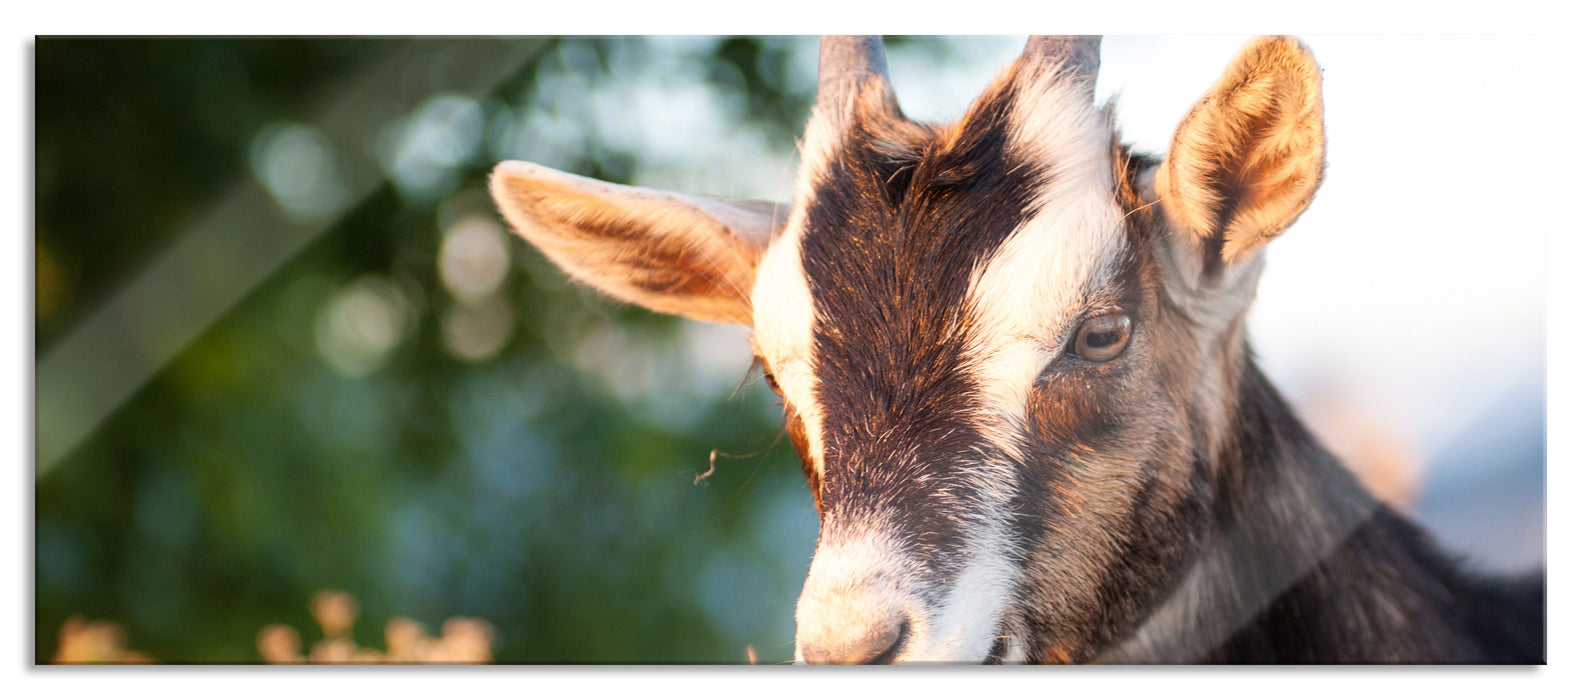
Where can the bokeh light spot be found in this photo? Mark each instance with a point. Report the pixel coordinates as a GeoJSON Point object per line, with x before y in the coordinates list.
{"type": "Point", "coordinates": [477, 332]}
{"type": "Point", "coordinates": [297, 166]}
{"type": "Point", "coordinates": [422, 152]}
{"type": "Point", "coordinates": [473, 258]}
{"type": "Point", "coordinates": [359, 326]}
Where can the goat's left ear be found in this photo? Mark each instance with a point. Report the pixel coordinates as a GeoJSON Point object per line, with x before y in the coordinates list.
{"type": "Point", "coordinates": [671, 253]}
{"type": "Point", "coordinates": [1246, 160]}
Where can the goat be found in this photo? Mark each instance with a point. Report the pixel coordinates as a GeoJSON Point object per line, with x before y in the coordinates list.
{"type": "Point", "coordinates": [1013, 361]}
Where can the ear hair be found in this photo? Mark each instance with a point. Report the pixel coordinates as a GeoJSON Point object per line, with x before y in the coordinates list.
{"type": "Point", "coordinates": [1247, 159]}
{"type": "Point", "coordinates": [670, 253]}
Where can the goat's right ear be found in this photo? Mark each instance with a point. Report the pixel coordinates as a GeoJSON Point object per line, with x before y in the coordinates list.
{"type": "Point", "coordinates": [1246, 160]}
{"type": "Point", "coordinates": [670, 253]}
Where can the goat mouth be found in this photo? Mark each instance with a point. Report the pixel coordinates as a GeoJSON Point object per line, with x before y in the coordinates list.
{"type": "Point", "coordinates": [1002, 646]}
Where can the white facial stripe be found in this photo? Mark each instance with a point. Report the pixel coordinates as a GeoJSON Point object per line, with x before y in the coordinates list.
{"type": "Point", "coordinates": [964, 627]}
{"type": "Point", "coordinates": [783, 320]}
{"type": "Point", "coordinates": [783, 314]}
{"type": "Point", "coordinates": [817, 149]}
{"type": "Point", "coordinates": [1058, 126]}
{"type": "Point", "coordinates": [1026, 296]}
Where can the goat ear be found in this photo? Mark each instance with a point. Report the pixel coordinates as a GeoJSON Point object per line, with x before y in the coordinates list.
{"type": "Point", "coordinates": [1246, 160]}
{"type": "Point", "coordinates": [670, 253]}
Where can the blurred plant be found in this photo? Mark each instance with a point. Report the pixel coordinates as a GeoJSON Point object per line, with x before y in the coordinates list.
{"type": "Point", "coordinates": [480, 434]}
{"type": "Point", "coordinates": [83, 641]}
{"type": "Point", "coordinates": [462, 640]}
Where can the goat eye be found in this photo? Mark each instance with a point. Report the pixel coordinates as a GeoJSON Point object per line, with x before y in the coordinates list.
{"type": "Point", "coordinates": [769, 378]}
{"type": "Point", "coordinates": [1102, 338]}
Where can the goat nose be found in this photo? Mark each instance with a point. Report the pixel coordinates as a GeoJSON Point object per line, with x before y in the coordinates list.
{"type": "Point", "coordinates": [874, 644]}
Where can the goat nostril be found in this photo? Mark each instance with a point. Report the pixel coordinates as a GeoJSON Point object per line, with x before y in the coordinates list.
{"type": "Point", "coordinates": [879, 645]}
{"type": "Point", "coordinates": [889, 654]}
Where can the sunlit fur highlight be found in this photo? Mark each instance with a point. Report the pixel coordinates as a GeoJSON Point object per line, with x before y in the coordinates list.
{"type": "Point", "coordinates": [783, 333]}
{"type": "Point", "coordinates": [668, 252]}
{"type": "Point", "coordinates": [1248, 157]}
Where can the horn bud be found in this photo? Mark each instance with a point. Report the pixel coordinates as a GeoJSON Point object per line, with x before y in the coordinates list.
{"type": "Point", "coordinates": [845, 63]}
{"type": "Point", "coordinates": [1076, 56]}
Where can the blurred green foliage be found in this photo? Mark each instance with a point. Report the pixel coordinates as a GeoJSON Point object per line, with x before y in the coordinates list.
{"type": "Point", "coordinates": [527, 485]}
